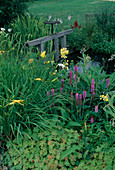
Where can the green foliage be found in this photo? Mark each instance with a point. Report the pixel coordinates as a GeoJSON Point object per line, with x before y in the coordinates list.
{"type": "Point", "coordinates": [61, 148]}
{"type": "Point", "coordinates": [10, 9]}
{"type": "Point", "coordinates": [29, 27]}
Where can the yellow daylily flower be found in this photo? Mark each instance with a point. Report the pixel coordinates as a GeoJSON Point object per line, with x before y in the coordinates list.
{"type": "Point", "coordinates": [43, 54]}
{"type": "Point", "coordinates": [16, 101]}
{"type": "Point", "coordinates": [31, 60]}
{"type": "Point", "coordinates": [53, 73]}
{"type": "Point", "coordinates": [47, 62]}
{"type": "Point", "coordinates": [39, 79]}
{"type": "Point", "coordinates": [54, 79]}
{"type": "Point", "coordinates": [2, 51]}
{"type": "Point", "coordinates": [64, 51]}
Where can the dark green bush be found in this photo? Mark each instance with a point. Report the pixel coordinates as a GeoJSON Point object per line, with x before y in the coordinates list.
{"type": "Point", "coordinates": [10, 9]}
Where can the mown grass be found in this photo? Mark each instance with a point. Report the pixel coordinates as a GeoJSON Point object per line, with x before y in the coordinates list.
{"type": "Point", "coordinates": [63, 8]}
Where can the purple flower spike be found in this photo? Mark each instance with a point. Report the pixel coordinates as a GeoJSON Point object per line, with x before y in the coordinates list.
{"type": "Point", "coordinates": [61, 90]}
{"type": "Point", "coordinates": [107, 82]}
{"type": "Point", "coordinates": [80, 97]}
{"type": "Point", "coordinates": [96, 108]}
{"type": "Point", "coordinates": [75, 78]}
{"type": "Point", "coordinates": [84, 94]}
{"type": "Point", "coordinates": [62, 80]}
{"type": "Point", "coordinates": [71, 97]}
{"type": "Point", "coordinates": [48, 94]}
{"type": "Point", "coordinates": [77, 99]}
{"type": "Point", "coordinates": [92, 88]}
{"type": "Point", "coordinates": [92, 120]}
{"type": "Point", "coordinates": [75, 68]}
{"type": "Point", "coordinates": [70, 76]}
{"type": "Point", "coordinates": [93, 82]}
{"type": "Point", "coordinates": [52, 92]}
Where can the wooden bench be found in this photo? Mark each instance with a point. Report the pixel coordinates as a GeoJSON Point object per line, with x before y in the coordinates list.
{"type": "Point", "coordinates": [39, 42]}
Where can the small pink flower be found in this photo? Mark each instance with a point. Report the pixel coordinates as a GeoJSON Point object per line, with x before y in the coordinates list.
{"type": "Point", "coordinates": [84, 94]}
{"type": "Point", "coordinates": [62, 80]}
{"type": "Point", "coordinates": [75, 78]}
{"type": "Point", "coordinates": [75, 68]}
{"type": "Point", "coordinates": [80, 97]}
{"type": "Point", "coordinates": [77, 99]}
{"type": "Point", "coordinates": [70, 76]}
{"type": "Point", "coordinates": [92, 120]}
{"type": "Point", "coordinates": [48, 94]}
{"type": "Point", "coordinates": [61, 89]}
{"type": "Point", "coordinates": [107, 82]}
{"type": "Point", "coordinates": [96, 108]}
{"type": "Point", "coordinates": [71, 97]}
{"type": "Point", "coordinates": [52, 92]}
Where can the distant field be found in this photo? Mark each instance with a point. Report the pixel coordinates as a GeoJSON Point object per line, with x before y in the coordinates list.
{"type": "Point", "coordinates": [63, 8]}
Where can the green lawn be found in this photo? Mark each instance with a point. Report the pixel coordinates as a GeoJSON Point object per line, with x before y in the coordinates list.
{"type": "Point", "coordinates": [63, 8]}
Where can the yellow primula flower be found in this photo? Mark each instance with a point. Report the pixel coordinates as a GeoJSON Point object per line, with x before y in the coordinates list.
{"type": "Point", "coordinates": [101, 97]}
{"type": "Point", "coordinates": [39, 79]}
{"type": "Point", "coordinates": [54, 79]}
{"type": "Point", "coordinates": [16, 101]}
{"type": "Point", "coordinates": [43, 54]}
{"type": "Point", "coordinates": [31, 60]}
{"type": "Point", "coordinates": [106, 98]}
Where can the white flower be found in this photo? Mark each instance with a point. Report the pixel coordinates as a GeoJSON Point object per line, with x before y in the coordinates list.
{"type": "Point", "coordinates": [55, 19]}
{"type": "Point", "coordinates": [61, 65]}
{"type": "Point", "coordinates": [58, 19]}
{"type": "Point", "coordinates": [49, 17]}
{"type": "Point", "coordinates": [61, 21]}
{"type": "Point", "coordinates": [9, 30]}
{"type": "Point", "coordinates": [69, 17]}
{"type": "Point", "coordinates": [2, 29]}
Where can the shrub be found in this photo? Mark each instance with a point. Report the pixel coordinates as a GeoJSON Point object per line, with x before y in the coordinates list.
{"type": "Point", "coordinates": [10, 9]}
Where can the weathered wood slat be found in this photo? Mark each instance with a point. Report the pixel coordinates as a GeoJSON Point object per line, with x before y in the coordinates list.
{"type": "Point", "coordinates": [48, 38]}
{"type": "Point", "coordinates": [56, 45]}
{"type": "Point", "coordinates": [63, 41]}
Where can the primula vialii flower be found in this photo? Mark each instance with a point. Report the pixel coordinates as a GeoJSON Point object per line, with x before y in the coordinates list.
{"type": "Point", "coordinates": [52, 92]}
{"type": "Point", "coordinates": [77, 99]}
{"type": "Point", "coordinates": [84, 94]}
{"type": "Point", "coordinates": [62, 81]}
{"type": "Point", "coordinates": [61, 90]}
{"type": "Point", "coordinates": [16, 101]}
{"type": "Point", "coordinates": [96, 108]}
{"type": "Point", "coordinates": [92, 119]}
{"type": "Point", "coordinates": [43, 54]}
{"type": "Point", "coordinates": [80, 97]}
{"type": "Point", "coordinates": [39, 79]}
{"type": "Point", "coordinates": [70, 74]}
{"type": "Point", "coordinates": [107, 82]}
{"type": "Point", "coordinates": [71, 97]}
{"type": "Point", "coordinates": [48, 95]}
